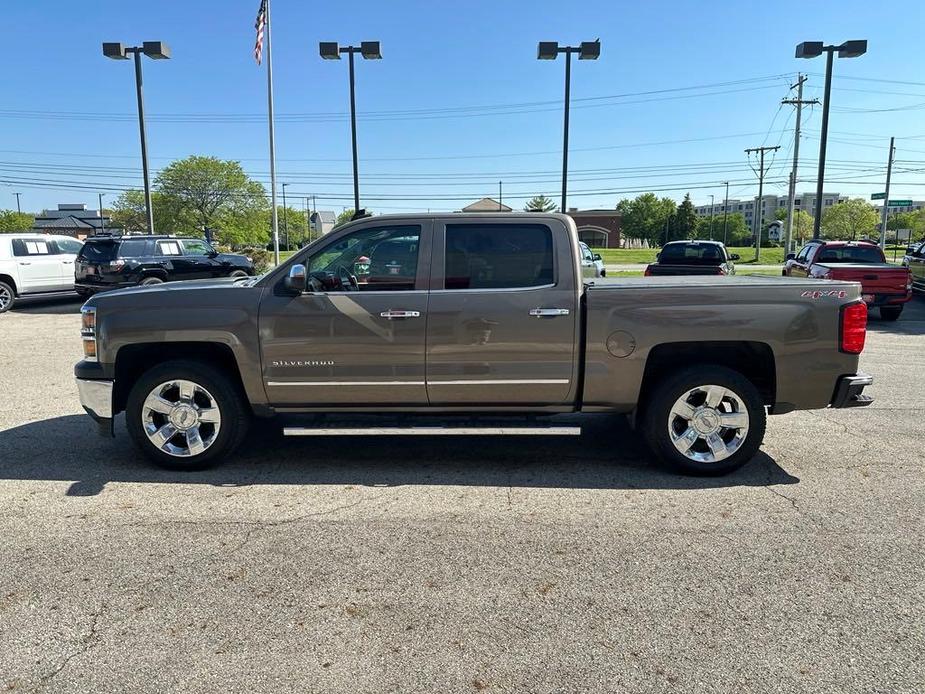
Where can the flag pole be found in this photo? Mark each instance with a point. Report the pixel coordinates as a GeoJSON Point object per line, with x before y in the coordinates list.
{"type": "Point", "coordinates": [273, 216]}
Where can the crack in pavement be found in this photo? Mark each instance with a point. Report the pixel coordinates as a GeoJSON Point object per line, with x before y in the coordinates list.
{"type": "Point", "coordinates": [87, 641]}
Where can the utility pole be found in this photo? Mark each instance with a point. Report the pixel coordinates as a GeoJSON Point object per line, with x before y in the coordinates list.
{"type": "Point", "coordinates": [102, 220]}
{"type": "Point", "coordinates": [726, 214]}
{"type": "Point", "coordinates": [712, 209]}
{"type": "Point", "coordinates": [759, 221]}
{"type": "Point", "coordinates": [886, 198]}
{"type": "Point", "coordinates": [18, 208]}
{"type": "Point", "coordinates": [792, 191]}
{"type": "Point", "coordinates": [500, 197]}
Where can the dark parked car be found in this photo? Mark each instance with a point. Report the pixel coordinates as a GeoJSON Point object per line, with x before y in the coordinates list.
{"type": "Point", "coordinates": [915, 261]}
{"type": "Point", "coordinates": [113, 262]}
{"type": "Point", "coordinates": [692, 258]}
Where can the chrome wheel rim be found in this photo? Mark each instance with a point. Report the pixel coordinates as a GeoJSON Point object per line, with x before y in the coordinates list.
{"type": "Point", "coordinates": [181, 418]}
{"type": "Point", "coordinates": [708, 423]}
{"type": "Point", "coordinates": [5, 297]}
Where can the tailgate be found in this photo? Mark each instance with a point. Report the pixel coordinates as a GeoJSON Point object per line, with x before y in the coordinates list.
{"type": "Point", "coordinates": [874, 279]}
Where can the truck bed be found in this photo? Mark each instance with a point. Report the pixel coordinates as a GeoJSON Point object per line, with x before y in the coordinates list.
{"type": "Point", "coordinates": [875, 278]}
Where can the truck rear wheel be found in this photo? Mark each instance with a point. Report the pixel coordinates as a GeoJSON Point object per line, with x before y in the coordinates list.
{"type": "Point", "coordinates": [186, 415]}
{"type": "Point", "coordinates": [891, 312]}
{"type": "Point", "coordinates": [704, 420]}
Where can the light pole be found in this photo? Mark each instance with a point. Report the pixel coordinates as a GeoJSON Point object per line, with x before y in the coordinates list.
{"type": "Point", "coordinates": [549, 50]}
{"type": "Point", "coordinates": [330, 50]}
{"type": "Point", "coordinates": [102, 221]}
{"type": "Point", "coordinates": [285, 216]}
{"type": "Point", "coordinates": [726, 214]}
{"type": "Point", "coordinates": [711, 217]}
{"type": "Point", "coordinates": [18, 208]}
{"type": "Point", "coordinates": [813, 49]}
{"type": "Point", "coordinates": [157, 50]}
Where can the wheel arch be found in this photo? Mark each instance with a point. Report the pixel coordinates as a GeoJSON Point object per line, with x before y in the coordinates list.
{"type": "Point", "coordinates": [754, 360]}
{"type": "Point", "coordinates": [135, 359]}
{"type": "Point", "coordinates": [8, 279]}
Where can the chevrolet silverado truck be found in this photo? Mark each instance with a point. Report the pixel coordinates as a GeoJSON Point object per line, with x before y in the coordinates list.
{"type": "Point", "coordinates": [482, 316]}
{"type": "Point", "coordinates": [883, 285]}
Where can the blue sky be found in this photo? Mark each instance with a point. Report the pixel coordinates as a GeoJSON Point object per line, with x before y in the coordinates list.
{"type": "Point", "coordinates": [459, 100]}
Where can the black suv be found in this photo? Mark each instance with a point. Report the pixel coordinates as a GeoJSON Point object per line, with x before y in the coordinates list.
{"type": "Point", "coordinates": [113, 262]}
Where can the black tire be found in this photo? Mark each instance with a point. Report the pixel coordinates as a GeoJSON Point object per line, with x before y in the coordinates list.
{"type": "Point", "coordinates": [149, 281]}
{"type": "Point", "coordinates": [238, 273]}
{"type": "Point", "coordinates": [234, 411]}
{"type": "Point", "coordinates": [7, 297]}
{"type": "Point", "coordinates": [890, 312]}
{"type": "Point", "coordinates": [658, 421]}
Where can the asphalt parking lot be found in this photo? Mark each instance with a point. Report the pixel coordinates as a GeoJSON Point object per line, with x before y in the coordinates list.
{"type": "Point", "coordinates": [497, 565]}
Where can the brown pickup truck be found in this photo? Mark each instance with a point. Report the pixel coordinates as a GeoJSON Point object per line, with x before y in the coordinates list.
{"type": "Point", "coordinates": [481, 315]}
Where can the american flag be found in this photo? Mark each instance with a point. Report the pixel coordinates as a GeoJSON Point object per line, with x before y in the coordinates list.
{"type": "Point", "coordinates": [260, 26]}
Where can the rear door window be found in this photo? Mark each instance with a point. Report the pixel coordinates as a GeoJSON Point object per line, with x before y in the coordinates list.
{"type": "Point", "coordinates": [691, 254]}
{"type": "Point", "coordinates": [31, 247]}
{"type": "Point", "coordinates": [850, 254]}
{"type": "Point", "coordinates": [169, 248]}
{"type": "Point", "coordinates": [498, 256]}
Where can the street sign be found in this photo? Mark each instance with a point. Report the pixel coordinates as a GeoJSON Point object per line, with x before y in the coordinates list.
{"type": "Point", "coordinates": [899, 203]}
{"type": "Point", "coordinates": [878, 196]}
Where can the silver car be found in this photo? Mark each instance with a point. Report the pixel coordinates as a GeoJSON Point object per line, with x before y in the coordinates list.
{"type": "Point", "coordinates": [591, 263]}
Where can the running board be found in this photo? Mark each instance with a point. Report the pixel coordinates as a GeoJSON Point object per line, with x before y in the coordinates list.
{"type": "Point", "coordinates": [432, 431]}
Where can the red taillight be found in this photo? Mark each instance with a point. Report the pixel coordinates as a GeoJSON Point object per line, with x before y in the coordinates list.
{"type": "Point", "coordinates": [853, 328]}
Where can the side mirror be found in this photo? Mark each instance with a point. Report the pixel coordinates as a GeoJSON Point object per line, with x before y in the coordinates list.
{"type": "Point", "coordinates": [297, 278]}
{"type": "Point", "coordinates": [791, 256]}
{"type": "Point", "coordinates": [657, 257]}
{"type": "Point", "coordinates": [734, 256]}
{"type": "Point", "coordinates": [597, 256]}
{"type": "Point", "coordinates": [212, 254]}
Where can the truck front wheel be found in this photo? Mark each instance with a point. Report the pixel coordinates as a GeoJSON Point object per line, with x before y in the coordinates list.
{"type": "Point", "coordinates": [705, 420]}
{"type": "Point", "coordinates": [185, 415]}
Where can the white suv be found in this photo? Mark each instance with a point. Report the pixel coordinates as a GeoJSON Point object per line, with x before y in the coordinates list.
{"type": "Point", "coordinates": [35, 264]}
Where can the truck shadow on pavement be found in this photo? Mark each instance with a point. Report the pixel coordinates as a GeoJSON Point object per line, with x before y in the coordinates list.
{"type": "Point", "coordinates": [608, 455]}
{"type": "Point", "coordinates": [49, 306]}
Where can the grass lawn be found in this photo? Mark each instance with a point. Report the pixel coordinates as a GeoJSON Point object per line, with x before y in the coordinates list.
{"type": "Point", "coordinates": [621, 256]}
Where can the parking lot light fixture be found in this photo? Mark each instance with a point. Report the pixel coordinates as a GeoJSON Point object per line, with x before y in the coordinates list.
{"type": "Point", "coordinates": [369, 50]}
{"type": "Point", "coordinates": [156, 50]}
{"type": "Point", "coordinates": [813, 49]}
{"type": "Point", "coordinates": [550, 50]}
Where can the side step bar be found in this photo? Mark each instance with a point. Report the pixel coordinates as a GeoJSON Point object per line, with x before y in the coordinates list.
{"type": "Point", "coordinates": [432, 431]}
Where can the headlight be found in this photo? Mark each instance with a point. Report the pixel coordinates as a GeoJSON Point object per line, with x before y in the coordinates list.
{"type": "Point", "coordinates": [88, 332]}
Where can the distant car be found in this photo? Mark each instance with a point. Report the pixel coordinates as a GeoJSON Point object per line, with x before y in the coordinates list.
{"type": "Point", "coordinates": [35, 264]}
{"type": "Point", "coordinates": [883, 285]}
{"type": "Point", "coordinates": [114, 262]}
{"type": "Point", "coordinates": [915, 261]}
{"type": "Point", "coordinates": [592, 265]}
{"type": "Point", "coordinates": [692, 258]}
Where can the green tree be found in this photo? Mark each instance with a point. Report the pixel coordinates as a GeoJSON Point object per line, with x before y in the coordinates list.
{"type": "Point", "coordinates": [645, 217]}
{"type": "Point", "coordinates": [736, 230]}
{"type": "Point", "coordinates": [292, 226]}
{"type": "Point", "coordinates": [685, 221]}
{"type": "Point", "coordinates": [217, 194]}
{"type": "Point", "coordinates": [344, 217]}
{"type": "Point", "coordinates": [11, 220]}
{"type": "Point", "coordinates": [128, 212]}
{"type": "Point", "coordinates": [780, 214]}
{"type": "Point", "coordinates": [540, 204]}
{"type": "Point", "coordinates": [851, 219]}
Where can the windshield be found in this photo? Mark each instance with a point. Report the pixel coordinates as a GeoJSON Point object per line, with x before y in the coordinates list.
{"type": "Point", "coordinates": [691, 254]}
{"type": "Point", "coordinates": [850, 254]}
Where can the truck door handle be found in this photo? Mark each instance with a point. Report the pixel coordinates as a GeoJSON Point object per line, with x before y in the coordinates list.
{"type": "Point", "coordinates": [548, 312]}
{"type": "Point", "coordinates": [871, 277]}
{"type": "Point", "coordinates": [400, 314]}
{"type": "Point", "coordinates": [22, 263]}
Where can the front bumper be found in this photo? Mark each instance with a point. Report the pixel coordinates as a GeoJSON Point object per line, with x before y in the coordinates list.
{"type": "Point", "coordinates": [96, 398]}
{"type": "Point", "coordinates": [849, 391]}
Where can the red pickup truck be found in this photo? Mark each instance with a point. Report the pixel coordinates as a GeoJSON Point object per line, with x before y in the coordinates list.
{"type": "Point", "coordinates": [883, 285]}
